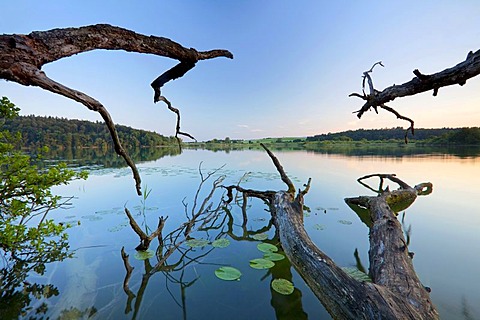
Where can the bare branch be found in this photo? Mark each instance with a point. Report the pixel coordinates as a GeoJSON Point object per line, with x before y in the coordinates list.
{"type": "Point", "coordinates": [144, 239]}
{"type": "Point", "coordinates": [457, 74]}
{"type": "Point", "coordinates": [177, 112]}
{"type": "Point", "coordinates": [22, 57]}
{"type": "Point", "coordinates": [283, 175]}
{"type": "Point", "coordinates": [399, 116]}
{"type": "Point", "coordinates": [382, 176]}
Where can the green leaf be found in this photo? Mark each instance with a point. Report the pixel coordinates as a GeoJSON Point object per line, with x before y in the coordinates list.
{"type": "Point", "coordinates": [357, 274]}
{"type": "Point", "coordinates": [228, 273]}
{"type": "Point", "coordinates": [267, 247]}
{"type": "Point", "coordinates": [260, 236]}
{"type": "Point", "coordinates": [272, 256]}
{"type": "Point", "coordinates": [261, 263]}
{"type": "Point", "coordinates": [144, 255]}
{"type": "Point", "coordinates": [221, 243]}
{"type": "Point", "coordinates": [196, 243]}
{"type": "Point", "coordinates": [283, 286]}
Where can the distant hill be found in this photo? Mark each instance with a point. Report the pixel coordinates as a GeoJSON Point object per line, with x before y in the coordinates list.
{"type": "Point", "coordinates": [63, 133]}
{"type": "Point", "coordinates": [443, 135]}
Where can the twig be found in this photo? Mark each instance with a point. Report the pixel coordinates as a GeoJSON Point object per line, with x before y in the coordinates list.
{"type": "Point", "coordinates": [283, 175]}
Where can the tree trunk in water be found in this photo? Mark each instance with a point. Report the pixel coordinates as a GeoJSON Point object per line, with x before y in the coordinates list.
{"type": "Point", "coordinates": [395, 291]}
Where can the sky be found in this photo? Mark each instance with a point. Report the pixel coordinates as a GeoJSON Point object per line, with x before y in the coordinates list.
{"type": "Point", "coordinates": [295, 63]}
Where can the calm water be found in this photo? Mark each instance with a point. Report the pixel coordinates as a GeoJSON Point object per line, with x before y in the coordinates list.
{"type": "Point", "coordinates": [444, 234]}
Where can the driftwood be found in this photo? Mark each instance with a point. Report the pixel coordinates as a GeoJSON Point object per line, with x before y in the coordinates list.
{"type": "Point", "coordinates": [458, 74]}
{"type": "Point", "coordinates": [395, 291]}
{"type": "Point", "coordinates": [22, 57]}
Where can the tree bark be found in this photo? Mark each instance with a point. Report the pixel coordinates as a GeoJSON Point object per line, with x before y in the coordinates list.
{"type": "Point", "coordinates": [22, 57]}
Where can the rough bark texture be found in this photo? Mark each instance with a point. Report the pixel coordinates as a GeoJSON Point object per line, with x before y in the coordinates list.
{"type": "Point", "coordinates": [22, 57]}
{"type": "Point", "coordinates": [395, 291]}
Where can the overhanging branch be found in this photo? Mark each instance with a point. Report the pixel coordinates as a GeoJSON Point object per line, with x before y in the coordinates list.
{"type": "Point", "coordinates": [458, 74]}
{"type": "Point", "coordinates": [22, 57]}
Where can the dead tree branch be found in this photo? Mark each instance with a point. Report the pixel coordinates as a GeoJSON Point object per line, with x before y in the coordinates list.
{"type": "Point", "coordinates": [458, 74]}
{"type": "Point", "coordinates": [144, 238]}
{"type": "Point", "coordinates": [391, 295]}
{"type": "Point", "coordinates": [22, 57]}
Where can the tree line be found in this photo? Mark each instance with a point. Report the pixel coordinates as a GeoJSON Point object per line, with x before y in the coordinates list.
{"type": "Point", "coordinates": [64, 134]}
{"type": "Point", "coordinates": [468, 136]}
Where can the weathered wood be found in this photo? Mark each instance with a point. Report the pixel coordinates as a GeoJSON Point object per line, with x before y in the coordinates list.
{"type": "Point", "coordinates": [458, 74]}
{"type": "Point", "coordinates": [395, 291]}
{"type": "Point", "coordinates": [22, 57]}
{"type": "Point", "coordinates": [144, 238]}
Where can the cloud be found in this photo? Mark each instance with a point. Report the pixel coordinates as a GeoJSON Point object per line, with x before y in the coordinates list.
{"type": "Point", "coordinates": [246, 126]}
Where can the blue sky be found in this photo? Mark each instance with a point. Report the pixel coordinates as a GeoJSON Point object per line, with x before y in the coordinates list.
{"type": "Point", "coordinates": [295, 63]}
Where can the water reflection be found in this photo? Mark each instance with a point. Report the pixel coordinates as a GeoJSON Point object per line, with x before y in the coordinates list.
{"type": "Point", "coordinates": [173, 266]}
{"type": "Point", "coordinates": [19, 295]}
{"type": "Point", "coordinates": [92, 158]}
{"type": "Point", "coordinates": [359, 149]}
{"type": "Point", "coordinates": [444, 222]}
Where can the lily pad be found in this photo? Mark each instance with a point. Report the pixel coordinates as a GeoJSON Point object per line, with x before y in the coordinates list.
{"type": "Point", "coordinates": [357, 274]}
{"type": "Point", "coordinates": [347, 222]}
{"type": "Point", "coordinates": [196, 243]}
{"type": "Point", "coordinates": [319, 226]}
{"type": "Point", "coordinates": [267, 247]}
{"type": "Point", "coordinates": [260, 236]}
{"type": "Point", "coordinates": [144, 255]}
{"type": "Point", "coordinates": [283, 286]}
{"type": "Point", "coordinates": [272, 256]}
{"type": "Point", "coordinates": [221, 243]}
{"type": "Point", "coordinates": [261, 263]}
{"type": "Point", "coordinates": [92, 217]}
{"type": "Point", "coordinates": [228, 273]}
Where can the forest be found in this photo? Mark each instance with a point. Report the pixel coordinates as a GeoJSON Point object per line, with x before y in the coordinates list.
{"type": "Point", "coordinates": [65, 134]}
{"type": "Point", "coordinates": [463, 136]}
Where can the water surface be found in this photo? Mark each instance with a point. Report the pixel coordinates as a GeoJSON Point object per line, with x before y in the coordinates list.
{"type": "Point", "coordinates": [444, 235]}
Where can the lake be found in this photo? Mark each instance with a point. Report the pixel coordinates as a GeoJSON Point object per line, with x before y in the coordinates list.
{"type": "Point", "coordinates": [443, 228]}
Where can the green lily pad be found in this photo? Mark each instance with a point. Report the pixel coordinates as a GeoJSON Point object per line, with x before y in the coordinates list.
{"type": "Point", "coordinates": [260, 236]}
{"type": "Point", "coordinates": [196, 243]}
{"type": "Point", "coordinates": [221, 243]}
{"type": "Point", "coordinates": [267, 247]}
{"type": "Point", "coordinates": [272, 256]}
{"type": "Point", "coordinates": [347, 222]}
{"type": "Point", "coordinates": [144, 255]}
{"type": "Point", "coordinates": [261, 263]}
{"type": "Point", "coordinates": [228, 273]}
{"type": "Point", "coordinates": [357, 274]}
{"type": "Point", "coordinates": [319, 226]}
{"type": "Point", "coordinates": [283, 286]}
